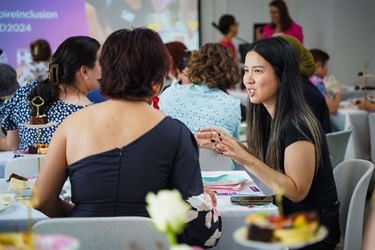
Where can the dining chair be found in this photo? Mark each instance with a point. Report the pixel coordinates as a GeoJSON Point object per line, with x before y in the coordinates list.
{"type": "Point", "coordinates": [337, 144]}
{"type": "Point", "coordinates": [212, 161]}
{"type": "Point", "coordinates": [123, 232]}
{"type": "Point", "coordinates": [352, 179]}
{"type": "Point", "coordinates": [23, 166]}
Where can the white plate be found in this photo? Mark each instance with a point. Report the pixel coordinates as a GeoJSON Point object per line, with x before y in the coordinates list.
{"type": "Point", "coordinates": [240, 236]}
{"type": "Point", "coordinates": [23, 153]}
{"type": "Point", "coordinates": [28, 125]}
{"type": "Point", "coordinates": [4, 186]}
{"type": "Point", "coordinates": [6, 200]}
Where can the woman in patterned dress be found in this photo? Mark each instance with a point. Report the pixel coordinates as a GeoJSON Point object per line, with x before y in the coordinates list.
{"type": "Point", "coordinates": [73, 72]}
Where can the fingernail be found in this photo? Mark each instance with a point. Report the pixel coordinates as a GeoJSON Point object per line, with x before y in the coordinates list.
{"type": "Point", "coordinates": [221, 153]}
{"type": "Point", "coordinates": [219, 134]}
{"type": "Point", "coordinates": [212, 140]}
{"type": "Point", "coordinates": [220, 139]}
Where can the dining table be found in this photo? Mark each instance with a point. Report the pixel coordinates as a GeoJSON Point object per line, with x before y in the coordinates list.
{"type": "Point", "coordinates": [16, 217]}
{"type": "Point", "coordinates": [348, 115]}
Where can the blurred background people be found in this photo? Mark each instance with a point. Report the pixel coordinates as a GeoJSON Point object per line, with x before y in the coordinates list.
{"type": "Point", "coordinates": [366, 105]}
{"type": "Point", "coordinates": [228, 26]}
{"type": "Point", "coordinates": [36, 70]}
{"type": "Point", "coordinates": [281, 23]}
{"type": "Point", "coordinates": [313, 97]}
{"type": "Point", "coordinates": [205, 101]}
{"type": "Point", "coordinates": [8, 85]}
{"type": "Point", "coordinates": [319, 80]}
{"type": "Point", "coordinates": [104, 155]}
{"type": "Point", "coordinates": [73, 72]}
{"type": "Point", "coordinates": [175, 50]}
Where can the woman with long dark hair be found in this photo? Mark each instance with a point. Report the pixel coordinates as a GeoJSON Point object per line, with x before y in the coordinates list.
{"type": "Point", "coordinates": [287, 149]}
{"type": "Point", "coordinates": [73, 72]}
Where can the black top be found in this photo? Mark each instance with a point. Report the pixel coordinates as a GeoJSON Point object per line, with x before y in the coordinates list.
{"type": "Point", "coordinates": [317, 103]}
{"type": "Point", "coordinates": [116, 182]}
{"type": "Point", "coordinates": [323, 191]}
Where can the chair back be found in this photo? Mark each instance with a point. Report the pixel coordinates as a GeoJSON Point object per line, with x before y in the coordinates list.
{"type": "Point", "coordinates": [23, 166]}
{"type": "Point", "coordinates": [131, 232]}
{"type": "Point", "coordinates": [212, 161]}
{"type": "Point", "coordinates": [337, 144]}
{"type": "Point", "coordinates": [352, 179]}
{"type": "Point", "coordinates": [371, 122]}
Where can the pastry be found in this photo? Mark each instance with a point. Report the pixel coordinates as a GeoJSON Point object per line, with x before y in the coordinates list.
{"type": "Point", "coordinates": [42, 119]}
{"type": "Point", "coordinates": [16, 185]}
{"type": "Point", "coordinates": [294, 228]}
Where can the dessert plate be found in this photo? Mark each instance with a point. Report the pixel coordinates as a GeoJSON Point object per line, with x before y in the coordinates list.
{"type": "Point", "coordinates": [222, 180]}
{"type": "Point", "coordinates": [26, 154]}
{"type": "Point", "coordinates": [28, 125]}
{"type": "Point", "coordinates": [6, 200]}
{"type": "Point", "coordinates": [240, 236]}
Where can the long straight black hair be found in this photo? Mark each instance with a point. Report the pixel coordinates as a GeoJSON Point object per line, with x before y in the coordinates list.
{"type": "Point", "coordinates": [264, 133]}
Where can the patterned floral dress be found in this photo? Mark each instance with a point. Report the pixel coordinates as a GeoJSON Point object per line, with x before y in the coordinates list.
{"type": "Point", "coordinates": [16, 111]}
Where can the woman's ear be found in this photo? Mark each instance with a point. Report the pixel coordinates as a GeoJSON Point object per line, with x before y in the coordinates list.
{"type": "Point", "coordinates": [83, 72]}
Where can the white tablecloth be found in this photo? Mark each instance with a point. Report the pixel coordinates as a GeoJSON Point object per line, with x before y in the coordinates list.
{"type": "Point", "coordinates": [233, 216]}
{"type": "Point", "coordinates": [359, 142]}
{"type": "Point", "coordinates": [15, 217]}
{"type": "Point", "coordinates": [5, 156]}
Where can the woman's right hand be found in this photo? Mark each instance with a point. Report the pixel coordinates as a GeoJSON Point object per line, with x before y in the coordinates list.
{"type": "Point", "coordinates": [224, 144]}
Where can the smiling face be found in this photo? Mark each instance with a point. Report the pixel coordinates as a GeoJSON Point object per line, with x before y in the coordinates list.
{"type": "Point", "coordinates": [275, 14]}
{"type": "Point", "coordinates": [260, 81]}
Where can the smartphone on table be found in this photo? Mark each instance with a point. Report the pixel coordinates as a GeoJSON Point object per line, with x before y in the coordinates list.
{"type": "Point", "coordinates": [251, 200]}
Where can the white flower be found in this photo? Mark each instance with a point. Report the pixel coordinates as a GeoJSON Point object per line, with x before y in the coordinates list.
{"type": "Point", "coordinates": [168, 210]}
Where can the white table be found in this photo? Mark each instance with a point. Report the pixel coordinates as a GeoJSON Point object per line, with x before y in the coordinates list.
{"type": "Point", "coordinates": [233, 216]}
{"type": "Point", "coordinates": [359, 146]}
{"type": "Point", "coordinates": [5, 156]}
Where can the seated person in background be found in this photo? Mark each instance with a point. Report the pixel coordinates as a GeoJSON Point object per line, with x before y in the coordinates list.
{"type": "Point", "coordinates": [8, 85]}
{"type": "Point", "coordinates": [36, 70]}
{"type": "Point", "coordinates": [321, 68]}
{"type": "Point", "coordinates": [228, 26]}
{"type": "Point", "coordinates": [182, 75]}
{"type": "Point", "coordinates": [313, 97]}
{"type": "Point", "coordinates": [104, 155]}
{"type": "Point", "coordinates": [287, 148]}
{"type": "Point", "coordinates": [366, 105]}
{"type": "Point", "coordinates": [175, 50]}
{"type": "Point", "coordinates": [204, 102]}
{"type": "Point", "coordinates": [74, 71]}
{"type": "Point", "coordinates": [281, 23]}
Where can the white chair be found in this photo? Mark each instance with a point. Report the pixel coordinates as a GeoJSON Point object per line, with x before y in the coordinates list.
{"type": "Point", "coordinates": [337, 144]}
{"type": "Point", "coordinates": [352, 179]}
{"type": "Point", "coordinates": [131, 232]}
{"type": "Point", "coordinates": [212, 161]}
{"type": "Point", "coordinates": [371, 122]}
{"type": "Point", "coordinates": [22, 166]}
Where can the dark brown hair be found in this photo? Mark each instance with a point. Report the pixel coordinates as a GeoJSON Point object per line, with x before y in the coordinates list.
{"type": "Point", "coordinates": [175, 49]}
{"type": "Point", "coordinates": [132, 62]}
{"type": "Point", "coordinates": [40, 50]}
{"type": "Point", "coordinates": [214, 65]}
{"type": "Point", "coordinates": [285, 19]}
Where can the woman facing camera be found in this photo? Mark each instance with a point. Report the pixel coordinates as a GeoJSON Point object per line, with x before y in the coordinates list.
{"type": "Point", "coordinates": [287, 147]}
{"type": "Point", "coordinates": [73, 72]}
{"type": "Point", "coordinates": [121, 149]}
{"type": "Point", "coordinates": [204, 102]}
